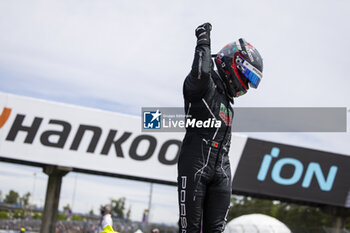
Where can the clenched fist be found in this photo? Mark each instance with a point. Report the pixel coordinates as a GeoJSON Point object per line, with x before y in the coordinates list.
{"type": "Point", "coordinates": [203, 34]}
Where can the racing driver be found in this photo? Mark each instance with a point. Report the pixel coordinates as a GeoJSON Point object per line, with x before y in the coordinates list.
{"type": "Point", "coordinates": [204, 175]}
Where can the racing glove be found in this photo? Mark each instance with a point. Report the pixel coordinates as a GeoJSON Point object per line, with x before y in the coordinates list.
{"type": "Point", "coordinates": [203, 34]}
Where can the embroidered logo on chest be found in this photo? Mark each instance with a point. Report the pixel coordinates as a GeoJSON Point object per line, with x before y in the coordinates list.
{"type": "Point", "coordinates": [225, 114]}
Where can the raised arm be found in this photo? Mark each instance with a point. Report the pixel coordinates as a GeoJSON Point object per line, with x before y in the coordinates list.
{"type": "Point", "coordinates": [197, 81]}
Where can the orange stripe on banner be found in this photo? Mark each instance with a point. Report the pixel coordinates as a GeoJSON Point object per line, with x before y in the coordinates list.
{"type": "Point", "coordinates": [4, 116]}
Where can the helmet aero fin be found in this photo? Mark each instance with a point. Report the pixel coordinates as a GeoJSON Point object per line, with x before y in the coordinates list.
{"type": "Point", "coordinates": [240, 66]}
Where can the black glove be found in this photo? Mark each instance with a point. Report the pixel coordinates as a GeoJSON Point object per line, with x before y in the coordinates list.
{"type": "Point", "coordinates": [203, 34]}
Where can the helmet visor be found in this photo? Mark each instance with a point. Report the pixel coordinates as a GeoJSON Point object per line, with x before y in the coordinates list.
{"type": "Point", "coordinates": [249, 71]}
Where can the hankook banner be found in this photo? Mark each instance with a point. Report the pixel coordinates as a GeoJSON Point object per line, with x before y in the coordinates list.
{"type": "Point", "coordinates": [96, 141]}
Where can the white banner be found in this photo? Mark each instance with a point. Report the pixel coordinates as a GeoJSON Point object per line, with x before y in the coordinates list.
{"type": "Point", "coordinates": [93, 140]}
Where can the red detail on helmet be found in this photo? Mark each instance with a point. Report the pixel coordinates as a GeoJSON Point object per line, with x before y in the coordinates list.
{"type": "Point", "coordinates": [234, 66]}
{"type": "Point", "coordinates": [226, 46]}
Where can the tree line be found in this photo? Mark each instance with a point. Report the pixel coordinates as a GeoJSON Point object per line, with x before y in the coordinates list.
{"type": "Point", "coordinates": [118, 208]}
{"type": "Point", "coordinates": [14, 198]}
{"type": "Point", "coordinates": [295, 216]}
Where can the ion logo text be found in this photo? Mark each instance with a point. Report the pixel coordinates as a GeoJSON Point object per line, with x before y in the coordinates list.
{"type": "Point", "coordinates": [313, 170]}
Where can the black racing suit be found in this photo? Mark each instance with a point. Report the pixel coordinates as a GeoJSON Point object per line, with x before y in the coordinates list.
{"type": "Point", "coordinates": [204, 175]}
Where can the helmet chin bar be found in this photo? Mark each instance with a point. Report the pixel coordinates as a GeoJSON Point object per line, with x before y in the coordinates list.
{"type": "Point", "coordinates": [239, 91]}
{"type": "Point", "coordinates": [234, 84]}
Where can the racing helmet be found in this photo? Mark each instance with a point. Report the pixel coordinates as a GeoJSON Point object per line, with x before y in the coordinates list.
{"type": "Point", "coordinates": [240, 66]}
